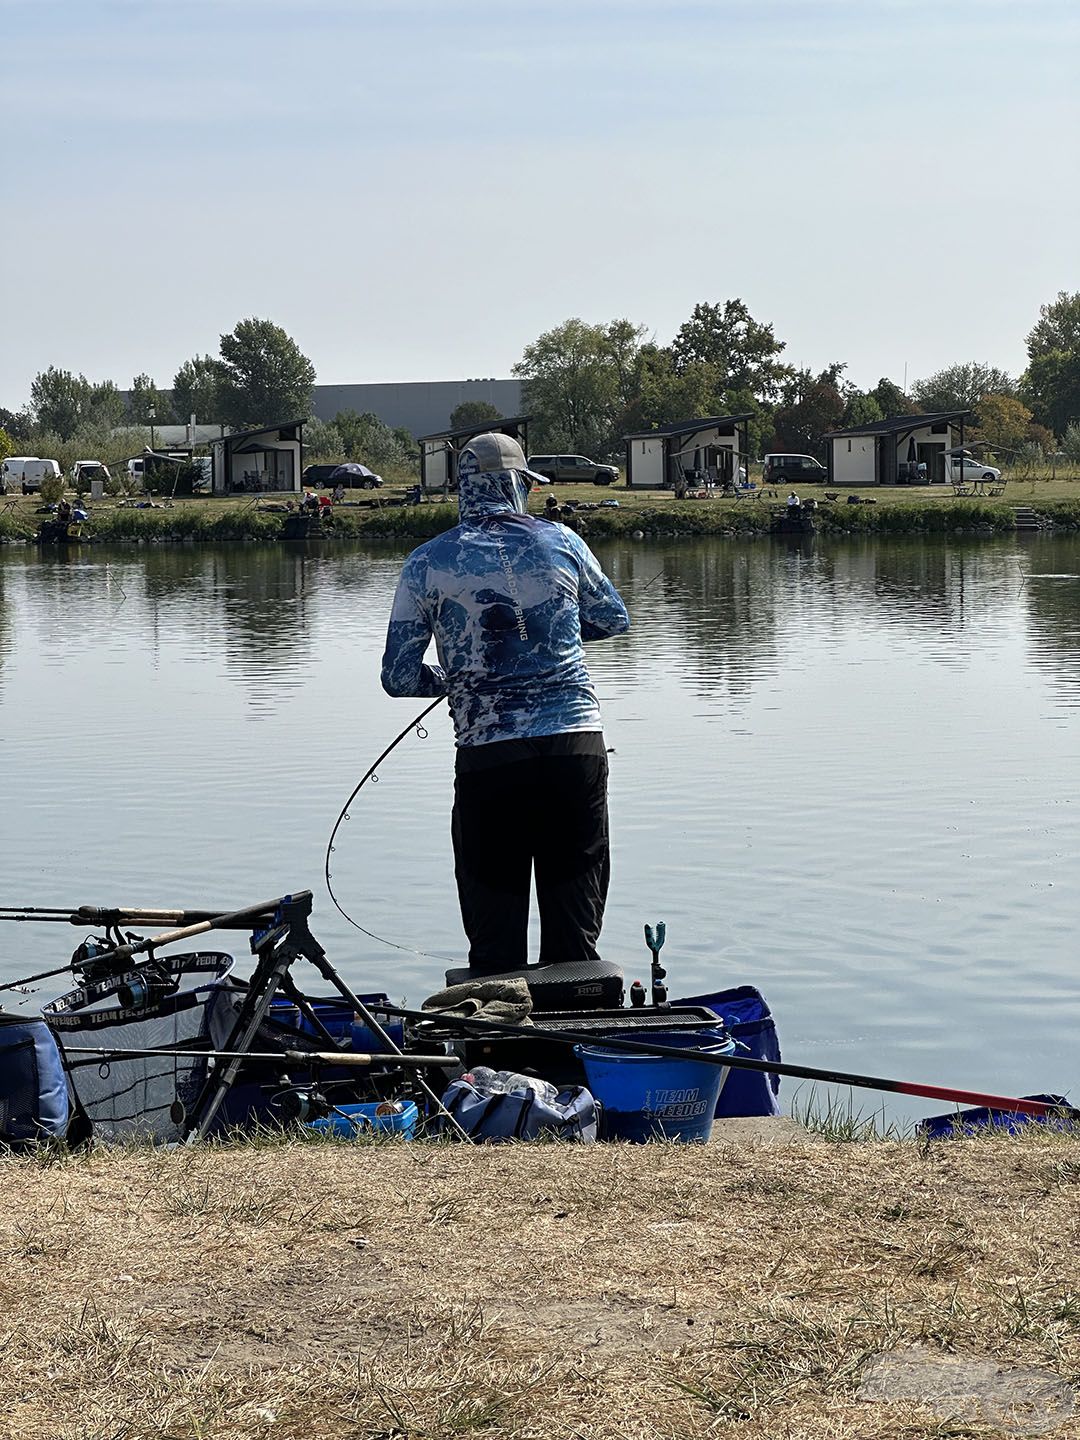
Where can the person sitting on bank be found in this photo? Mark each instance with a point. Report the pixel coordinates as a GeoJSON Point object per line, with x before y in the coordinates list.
{"type": "Point", "coordinates": [793, 501]}
{"type": "Point", "coordinates": [511, 603]}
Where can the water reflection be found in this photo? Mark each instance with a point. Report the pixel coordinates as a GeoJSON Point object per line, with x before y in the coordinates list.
{"type": "Point", "coordinates": [843, 771]}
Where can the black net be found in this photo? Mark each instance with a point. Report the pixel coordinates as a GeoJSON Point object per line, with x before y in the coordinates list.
{"type": "Point", "coordinates": [147, 1096]}
{"type": "Point", "coordinates": [20, 1092]}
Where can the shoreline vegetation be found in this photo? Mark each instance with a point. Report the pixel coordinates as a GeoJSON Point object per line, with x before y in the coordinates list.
{"type": "Point", "coordinates": [289, 1288]}
{"type": "Point", "coordinates": [653, 514]}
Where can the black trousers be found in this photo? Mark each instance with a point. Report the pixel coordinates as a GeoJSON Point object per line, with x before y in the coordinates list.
{"type": "Point", "coordinates": [527, 809]}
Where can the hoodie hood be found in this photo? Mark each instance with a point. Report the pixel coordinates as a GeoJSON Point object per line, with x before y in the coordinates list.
{"type": "Point", "coordinates": [483, 493]}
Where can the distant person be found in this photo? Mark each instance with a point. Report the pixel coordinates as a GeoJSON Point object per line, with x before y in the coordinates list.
{"type": "Point", "coordinates": [339, 493]}
{"type": "Point", "coordinates": [511, 603]}
{"type": "Point", "coordinates": [793, 501]}
{"type": "Point", "coordinates": [551, 509]}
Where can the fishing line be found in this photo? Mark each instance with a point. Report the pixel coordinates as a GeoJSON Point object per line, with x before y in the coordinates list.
{"type": "Point", "coordinates": [414, 727]}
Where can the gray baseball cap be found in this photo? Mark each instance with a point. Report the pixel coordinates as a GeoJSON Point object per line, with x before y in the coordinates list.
{"type": "Point", "coordinates": [494, 451]}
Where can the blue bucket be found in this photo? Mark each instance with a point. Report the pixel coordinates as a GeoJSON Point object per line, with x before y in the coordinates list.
{"type": "Point", "coordinates": [656, 1097]}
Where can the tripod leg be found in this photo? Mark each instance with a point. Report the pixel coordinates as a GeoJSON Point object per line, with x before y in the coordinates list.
{"type": "Point", "coordinates": [328, 972]}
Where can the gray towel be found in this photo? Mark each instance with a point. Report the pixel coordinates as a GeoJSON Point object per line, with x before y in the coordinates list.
{"type": "Point", "coordinates": [506, 1001]}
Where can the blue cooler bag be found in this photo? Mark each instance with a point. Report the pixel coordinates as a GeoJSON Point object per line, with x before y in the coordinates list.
{"type": "Point", "coordinates": [520, 1115]}
{"type": "Point", "coordinates": [33, 1086]}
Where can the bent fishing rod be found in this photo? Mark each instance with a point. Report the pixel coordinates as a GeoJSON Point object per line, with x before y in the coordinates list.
{"type": "Point", "coordinates": [951, 1093]}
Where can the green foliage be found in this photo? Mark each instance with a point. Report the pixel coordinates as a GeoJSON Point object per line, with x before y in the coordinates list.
{"type": "Point", "coordinates": [266, 376]}
{"type": "Point", "coordinates": [322, 441]}
{"type": "Point", "coordinates": [473, 412]}
{"type": "Point", "coordinates": [144, 399]}
{"type": "Point", "coordinates": [365, 438]}
{"type": "Point", "coordinates": [51, 490]}
{"type": "Point", "coordinates": [1070, 442]}
{"type": "Point", "coordinates": [17, 423]}
{"type": "Point", "coordinates": [578, 382]}
{"type": "Point", "coordinates": [7, 444]}
{"type": "Point", "coordinates": [961, 387]}
{"type": "Point", "coordinates": [811, 406]}
{"type": "Point", "coordinates": [741, 350]}
{"type": "Point", "coordinates": [891, 399]}
{"type": "Point", "coordinates": [1051, 387]}
{"type": "Point", "coordinates": [1058, 327]}
{"type": "Point", "coordinates": [1003, 422]}
{"type": "Point", "coordinates": [862, 409]}
{"type": "Point", "coordinates": [197, 390]}
{"type": "Point", "coordinates": [62, 403]}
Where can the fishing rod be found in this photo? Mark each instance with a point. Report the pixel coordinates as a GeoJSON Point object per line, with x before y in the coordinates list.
{"type": "Point", "coordinates": [416, 727]}
{"type": "Point", "coordinates": [496, 1029]}
{"type": "Point", "coordinates": [291, 1057]}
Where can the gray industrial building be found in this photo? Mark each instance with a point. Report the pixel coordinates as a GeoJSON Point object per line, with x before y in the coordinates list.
{"type": "Point", "coordinates": [422, 407]}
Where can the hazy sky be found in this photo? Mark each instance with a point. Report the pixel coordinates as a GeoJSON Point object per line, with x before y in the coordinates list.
{"type": "Point", "coordinates": [415, 189]}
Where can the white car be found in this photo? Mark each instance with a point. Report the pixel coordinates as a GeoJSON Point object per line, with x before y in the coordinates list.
{"type": "Point", "coordinates": [961, 467]}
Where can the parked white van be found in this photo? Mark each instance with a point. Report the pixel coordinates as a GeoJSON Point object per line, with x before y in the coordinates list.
{"type": "Point", "coordinates": [28, 472]}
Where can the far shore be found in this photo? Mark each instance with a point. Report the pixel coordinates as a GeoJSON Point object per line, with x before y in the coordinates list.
{"type": "Point", "coordinates": [365, 515]}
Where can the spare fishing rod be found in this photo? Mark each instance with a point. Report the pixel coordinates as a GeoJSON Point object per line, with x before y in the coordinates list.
{"type": "Point", "coordinates": [105, 1053]}
{"type": "Point", "coordinates": [496, 1029]}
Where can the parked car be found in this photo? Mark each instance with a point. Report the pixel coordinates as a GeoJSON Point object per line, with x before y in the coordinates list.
{"type": "Point", "coordinates": [317, 477]}
{"type": "Point", "coordinates": [573, 468]}
{"type": "Point", "coordinates": [961, 465]}
{"type": "Point", "coordinates": [83, 472]}
{"type": "Point", "coordinates": [789, 469]}
{"type": "Point", "coordinates": [27, 471]}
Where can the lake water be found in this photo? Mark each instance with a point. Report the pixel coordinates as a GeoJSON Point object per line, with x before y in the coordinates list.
{"type": "Point", "coordinates": [847, 773]}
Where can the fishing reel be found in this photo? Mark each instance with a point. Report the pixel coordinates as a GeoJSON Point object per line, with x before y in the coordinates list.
{"type": "Point", "coordinates": [300, 1107]}
{"type": "Point", "coordinates": [147, 986]}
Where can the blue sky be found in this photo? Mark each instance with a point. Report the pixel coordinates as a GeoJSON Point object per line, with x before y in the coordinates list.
{"type": "Point", "coordinates": [415, 189]}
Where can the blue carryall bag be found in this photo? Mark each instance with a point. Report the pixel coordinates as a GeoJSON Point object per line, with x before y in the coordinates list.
{"type": "Point", "coordinates": [750, 1024]}
{"type": "Point", "coordinates": [520, 1115]}
{"type": "Point", "coordinates": [33, 1086]}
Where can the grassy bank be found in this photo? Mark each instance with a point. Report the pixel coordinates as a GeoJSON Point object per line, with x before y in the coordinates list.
{"type": "Point", "coordinates": [652, 514]}
{"type": "Point", "coordinates": [396, 1292]}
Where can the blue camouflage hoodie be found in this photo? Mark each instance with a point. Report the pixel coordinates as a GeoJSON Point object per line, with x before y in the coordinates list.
{"type": "Point", "coordinates": [509, 599]}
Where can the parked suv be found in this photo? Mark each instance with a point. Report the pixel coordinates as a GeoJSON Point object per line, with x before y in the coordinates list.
{"type": "Point", "coordinates": [573, 468]}
{"type": "Point", "coordinates": [789, 469]}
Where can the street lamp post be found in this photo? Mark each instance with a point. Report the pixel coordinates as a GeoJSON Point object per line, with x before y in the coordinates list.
{"type": "Point", "coordinates": [151, 416]}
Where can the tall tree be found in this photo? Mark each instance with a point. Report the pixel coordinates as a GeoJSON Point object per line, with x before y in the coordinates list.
{"type": "Point", "coordinates": [59, 401]}
{"type": "Point", "coordinates": [1051, 383]}
{"type": "Point", "coordinates": [961, 387]}
{"type": "Point", "coordinates": [105, 405]}
{"type": "Point", "coordinates": [267, 376]}
{"type": "Point", "coordinates": [743, 351]}
{"type": "Point", "coordinates": [891, 399]}
{"type": "Point", "coordinates": [474, 412]}
{"type": "Point", "coordinates": [862, 409]}
{"type": "Point", "coordinates": [811, 406]}
{"type": "Point", "coordinates": [578, 380]}
{"type": "Point", "coordinates": [143, 397]}
{"type": "Point", "coordinates": [1058, 326]}
{"type": "Point", "coordinates": [197, 390]}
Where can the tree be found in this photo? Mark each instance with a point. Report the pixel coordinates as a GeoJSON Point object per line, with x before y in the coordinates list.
{"type": "Point", "coordinates": [366, 438]}
{"type": "Point", "coordinates": [579, 380]}
{"type": "Point", "coordinates": [17, 423]}
{"type": "Point", "coordinates": [862, 409]}
{"type": "Point", "coordinates": [322, 441]}
{"type": "Point", "coordinates": [1070, 442]}
{"type": "Point", "coordinates": [1003, 422]}
{"type": "Point", "coordinates": [742, 350]}
{"type": "Point", "coordinates": [59, 401]}
{"type": "Point", "coordinates": [1051, 383]}
{"type": "Point", "coordinates": [810, 407]}
{"type": "Point", "coordinates": [197, 389]}
{"type": "Point", "coordinates": [473, 412]}
{"type": "Point", "coordinates": [1058, 326]}
{"type": "Point", "coordinates": [961, 387]}
{"type": "Point", "coordinates": [104, 405]}
{"type": "Point", "coordinates": [143, 397]}
{"type": "Point", "coordinates": [7, 444]}
{"type": "Point", "coordinates": [267, 377]}
{"type": "Point", "coordinates": [891, 399]}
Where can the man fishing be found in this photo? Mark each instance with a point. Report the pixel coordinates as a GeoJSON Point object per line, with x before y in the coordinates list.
{"type": "Point", "coordinates": [510, 599]}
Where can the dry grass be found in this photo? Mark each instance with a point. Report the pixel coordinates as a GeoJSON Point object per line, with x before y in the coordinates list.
{"type": "Point", "coordinates": [399, 1292]}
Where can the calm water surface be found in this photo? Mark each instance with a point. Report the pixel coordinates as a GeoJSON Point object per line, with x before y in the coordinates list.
{"type": "Point", "coordinates": [846, 773]}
